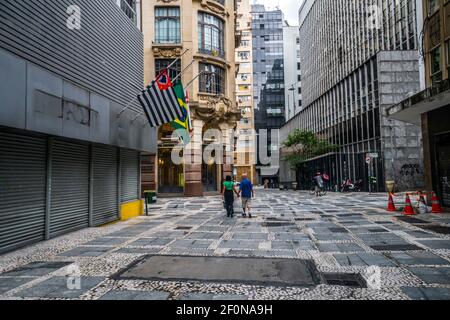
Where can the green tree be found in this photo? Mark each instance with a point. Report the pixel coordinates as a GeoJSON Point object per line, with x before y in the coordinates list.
{"type": "Point", "coordinates": [304, 146]}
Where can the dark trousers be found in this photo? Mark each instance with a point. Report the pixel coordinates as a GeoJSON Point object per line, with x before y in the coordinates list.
{"type": "Point", "coordinates": [229, 202]}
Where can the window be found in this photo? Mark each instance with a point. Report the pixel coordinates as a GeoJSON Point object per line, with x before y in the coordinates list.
{"type": "Point", "coordinates": [212, 79]}
{"type": "Point", "coordinates": [433, 6]}
{"type": "Point", "coordinates": [244, 55]}
{"type": "Point", "coordinates": [167, 25]}
{"type": "Point", "coordinates": [210, 35]}
{"type": "Point", "coordinates": [436, 70]}
{"type": "Point", "coordinates": [448, 54]}
{"type": "Point", "coordinates": [161, 64]}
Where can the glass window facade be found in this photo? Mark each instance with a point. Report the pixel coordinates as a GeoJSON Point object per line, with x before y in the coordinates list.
{"type": "Point", "coordinates": [161, 64]}
{"type": "Point", "coordinates": [211, 34]}
{"type": "Point", "coordinates": [167, 25]}
{"type": "Point", "coordinates": [268, 68]}
{"type": "Point", "coordinates": [212, 79]}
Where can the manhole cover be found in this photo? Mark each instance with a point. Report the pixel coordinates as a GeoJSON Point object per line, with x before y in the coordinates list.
{"type": "Point", "coordinates": [412, 220]}
{"type": "Point", "coordinates": [437, 229]}
{"type": "Point", "coordinates": [277, 224]}
{"type": "Point", "coordinates": [265, 271]}
{"type": "Point", "coordinates": [345, 279]}
{"type": "Point", "coordinates": [396, 247]}
{"type": "Point", "coordinates": [183, 228]}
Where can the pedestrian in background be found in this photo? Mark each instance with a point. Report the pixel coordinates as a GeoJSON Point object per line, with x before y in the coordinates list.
{"type": "Point", "coordinates": [247, 193]}
{"type": "Point", "coordinates": [228, 191]}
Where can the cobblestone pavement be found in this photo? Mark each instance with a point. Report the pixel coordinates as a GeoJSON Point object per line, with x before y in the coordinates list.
{"type": "Point", "coordinates": [342, 236]}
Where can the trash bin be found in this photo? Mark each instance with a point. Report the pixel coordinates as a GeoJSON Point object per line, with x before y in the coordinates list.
{"type": "Point", "coordinates": [151, 197]}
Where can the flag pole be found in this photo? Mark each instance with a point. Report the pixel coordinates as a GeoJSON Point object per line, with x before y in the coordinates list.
{"type": "Point", "coordinates": [182, 71]}
{"type": "Point", "coordinates": [169, 66]}
{"type": "Point", "coordinates": [172, 64]}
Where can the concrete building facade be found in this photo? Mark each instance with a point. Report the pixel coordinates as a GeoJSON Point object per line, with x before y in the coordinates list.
{"type": "Point", "coordinates": [245, 156]}
{"type": "Point", "coordinates": [206, 29]}
{"type": "Point", "coordinates": [358, 58]}
{"type": "Point", "coordinates": [292, 71]}
{"type": "Point", "coordinates": [69, 147]}
{"type": "Point", "coordinates": [430, 108]}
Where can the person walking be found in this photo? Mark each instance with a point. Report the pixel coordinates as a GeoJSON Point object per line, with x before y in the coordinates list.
{"type": "Point", "coordinates": [318, 179]}
{"type": "Point", "coordinates": [228, 191]}
{"type": "Point", "coordinates": [246, 192]}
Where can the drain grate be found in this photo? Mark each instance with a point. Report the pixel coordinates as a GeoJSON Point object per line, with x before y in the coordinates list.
{"type": "Point", "coordinates": [277, 224]}
{"type": "Point", "coordinates": [412, 220]}
{"type": "Point", "coordinates": [436, 229]}
{"type": "Point", "coordinates": [345, 280]}
{"type": "Point", "coordinates": [396, 247]}
{"type": "Point", "coordinates": [183, 228]}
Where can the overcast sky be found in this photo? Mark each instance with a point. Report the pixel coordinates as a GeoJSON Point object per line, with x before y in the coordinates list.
{"type": "Point", "coordinates": [289, 7]}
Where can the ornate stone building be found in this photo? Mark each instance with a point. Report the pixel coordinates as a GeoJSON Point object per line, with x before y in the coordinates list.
{"type": "Point", "coordinates": [245, 156]}
{"type": "Point", "coordinates": [206, 29]}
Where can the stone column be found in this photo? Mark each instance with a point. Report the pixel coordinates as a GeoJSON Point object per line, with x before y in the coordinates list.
{"type": "Point", "coordinates": [228, 144]}
{"type": "Point", "coordinates": [193, 162]}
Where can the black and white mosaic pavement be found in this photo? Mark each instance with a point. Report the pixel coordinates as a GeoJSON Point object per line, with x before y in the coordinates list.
{"type": "Point", "coordinates": [347, 247]}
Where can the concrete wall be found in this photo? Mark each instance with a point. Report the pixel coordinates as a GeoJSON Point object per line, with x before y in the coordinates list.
{"type": "Point", "coordinates": [72, 82]}
{"type": "Point", "coordinates": [399, 77]}
{"type": "Point", "coordinates": [291, 72]}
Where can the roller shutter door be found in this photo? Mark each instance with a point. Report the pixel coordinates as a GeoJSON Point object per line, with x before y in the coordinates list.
{"type": "Point", "coordinates": [129, 168]}
{"type": "Point", "coordinates": [70, 187]}
{"type": "Point", "coordinates": [105, 193]}
{"type": "Point", "coordinates": [22, 190]}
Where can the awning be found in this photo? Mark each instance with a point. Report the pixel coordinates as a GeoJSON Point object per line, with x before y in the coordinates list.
{"type": "Point", "coordinates": [411, 109]}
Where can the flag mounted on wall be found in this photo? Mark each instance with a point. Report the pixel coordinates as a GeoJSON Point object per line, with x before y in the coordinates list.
{"type": "Point", "coordinates": [160, 106]}
{"type": "Point", "coordinates": [182, 124]}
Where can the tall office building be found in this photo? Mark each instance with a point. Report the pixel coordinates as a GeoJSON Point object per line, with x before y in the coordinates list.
{"type": "Point", "coordinates": [430, 108]}
{"type": "Point", "coordinates": [358, 58]}
{"type": "Point", "coordinates": [292, 70]}
{"type": "Point", "coordinates": [245, 156]}
{"type": "Point", "coordinates": [207, 30]}
{"type": "Point", "coordinates": [268, 78]}
{"type": "Point", "coordinates": [69, 147]}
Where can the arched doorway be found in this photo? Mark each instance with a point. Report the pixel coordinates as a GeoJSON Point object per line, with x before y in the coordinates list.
{"type": "Point", "coordinates": [170, 175]}
{"type": "Point", "coordinates": [210, 168]}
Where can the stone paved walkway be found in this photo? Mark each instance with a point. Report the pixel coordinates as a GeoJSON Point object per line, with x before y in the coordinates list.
{"type": "Point", "coordinates": [341, 235]}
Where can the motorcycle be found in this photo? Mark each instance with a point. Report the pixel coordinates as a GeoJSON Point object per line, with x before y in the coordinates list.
{"type": "Point", "coordinates": [349, 186]}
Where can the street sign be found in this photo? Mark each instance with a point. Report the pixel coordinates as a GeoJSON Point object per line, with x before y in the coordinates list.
{"type": "Point", "coordinates": [373, 155]}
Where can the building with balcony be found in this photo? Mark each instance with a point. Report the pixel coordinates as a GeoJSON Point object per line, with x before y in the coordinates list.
{"type": "Point", "coordinates": [268, 81]}
{"type": "Point", "coordinates": [206, 29]}
{"type": "Point", "coordinates": [430, 108]}
{"type": "Point", "coordinates": [359, 58]}
{"type": "Point", "coordinates": [69, 147]}
{"type": "Point", "coordinates": [245, 155]}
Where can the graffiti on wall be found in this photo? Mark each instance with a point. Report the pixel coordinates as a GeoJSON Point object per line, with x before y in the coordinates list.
{"type": "Point", "coordinates": [410, 176]}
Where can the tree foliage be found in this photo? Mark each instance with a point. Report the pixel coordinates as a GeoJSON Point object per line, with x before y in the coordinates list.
{"type": "Point", "coordinates": [306, 145]}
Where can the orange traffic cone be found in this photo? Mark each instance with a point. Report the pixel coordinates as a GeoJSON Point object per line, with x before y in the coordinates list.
{"type": "Point", "coordinates": [436, 204]}
{"type": "Point", "coordinates": [409, 210]}
{"type": "Point", "coordinates": [391, 205]}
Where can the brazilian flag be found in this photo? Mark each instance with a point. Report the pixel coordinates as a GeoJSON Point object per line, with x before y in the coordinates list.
{"type": "Point", "coordinates": [182, 124]}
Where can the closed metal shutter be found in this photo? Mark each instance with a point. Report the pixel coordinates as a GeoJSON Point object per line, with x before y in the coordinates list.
{"type": "Point", "coordinates": [22, 190]}
{"type": "Point", "coordinates": [105, 193]}
{"type": "Point", "coordinates": [70, 187]}
{"type": "Point", "coordinates": [129, 178]}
